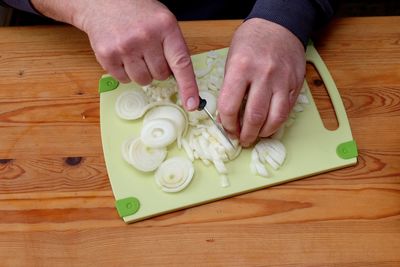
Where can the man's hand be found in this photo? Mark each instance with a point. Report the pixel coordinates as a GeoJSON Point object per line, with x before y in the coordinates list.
{"type": "Point", "coordinates": [266, 62]}
{"type": "Point", "coordinates": [133, 40]}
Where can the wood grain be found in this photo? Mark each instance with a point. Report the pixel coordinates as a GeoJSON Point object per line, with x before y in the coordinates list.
{"type": "Point", "coordinates": [56, 204]}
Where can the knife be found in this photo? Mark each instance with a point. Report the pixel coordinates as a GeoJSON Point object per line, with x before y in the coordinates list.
{"type": "Point", "coordinates": [202, 106]}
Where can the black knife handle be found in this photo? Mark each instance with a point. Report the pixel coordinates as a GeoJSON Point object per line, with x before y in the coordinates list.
{"type": "Point", "coordinates": [202, 103]}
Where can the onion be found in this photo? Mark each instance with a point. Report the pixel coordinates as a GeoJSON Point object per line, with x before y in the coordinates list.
{"type": "Point", "coordinates": [188, 149]}
{"type": "Point", "coordinates": [302, 99]}
{"type": "Point", "coordinates": [142, 157]}
{"type": "Point", "coordinates": [174, 174]}
{"type": "Point", "coordinates": [272, 151]}
{"type": "Point", "coordinates": [224, 180]}
{"type": "Point", "coordinates": [298, 108]}
{"type": "Point", "coordinates": [158, 133]}
{"type": "Point", "coordinates": [172, 112]}
{"type": "Point", "coordinates": [131, 104]}
{"type": "Point", "coordinates": [220, 166]}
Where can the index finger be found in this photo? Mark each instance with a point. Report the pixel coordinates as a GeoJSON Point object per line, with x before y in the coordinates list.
{"type": "Point", "coordinates": [178, 58]}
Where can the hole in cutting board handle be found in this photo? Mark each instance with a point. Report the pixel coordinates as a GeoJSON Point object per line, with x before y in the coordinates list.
{"type": "Point", "coordinates": [321, 98]}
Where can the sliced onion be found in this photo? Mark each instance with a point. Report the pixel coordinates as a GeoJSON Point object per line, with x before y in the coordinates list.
{"type": "Point", "coordinates": [302, 99]}
{"type": "Point", "coordinates": [130, 105]}
{"type": "Point", "coordinates": [158, 133]}
{"type": "Point", "coordinates": [172, 112]}
{"type": "Point", "coordinates": [142, 157]}
{"type": "Point", "coordinates": [261, 170]}
{"type": "Point", "coordinates": [200, 73]}
{"type": "Point", "coordinates": [174, 174]}
{"type": "Point", "coordinates": [224, 180]}
{"type": "Point", "coordinates": [188, 149]}
{"type": "Point", "coordinates": [298, 108]}
{"type": "Point", "coordinates": [272, 151]}
{"type": "Point", "coordinates": [220, 166]}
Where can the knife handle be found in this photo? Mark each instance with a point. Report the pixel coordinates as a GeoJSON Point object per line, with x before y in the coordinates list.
{"type": "Point", "coordinates": [202, 103]}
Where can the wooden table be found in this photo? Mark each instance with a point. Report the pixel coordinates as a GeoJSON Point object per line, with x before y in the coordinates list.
{"type": "Point", "coordinates": [56, 204]}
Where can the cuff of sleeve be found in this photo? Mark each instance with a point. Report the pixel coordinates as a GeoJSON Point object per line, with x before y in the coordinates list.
{"type": "Point", "coordinates": [24, 5]}
{"type": "Point", "coordinates": [296, 16]}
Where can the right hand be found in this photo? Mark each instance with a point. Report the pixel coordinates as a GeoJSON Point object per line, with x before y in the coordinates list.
{"type": "Point", "coordinates": [139, 40]}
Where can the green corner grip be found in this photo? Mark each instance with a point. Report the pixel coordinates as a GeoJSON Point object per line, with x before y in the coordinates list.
{"type": "Point", "coordinates": [347, 150]}
{"type": "Point", "coordinates": [127, 206]}
{"type": "Point", "coordinates": [107, 84]}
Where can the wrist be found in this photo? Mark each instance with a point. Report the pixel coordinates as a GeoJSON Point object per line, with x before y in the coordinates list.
{"type": "Point", "coordinates": [71, 12]}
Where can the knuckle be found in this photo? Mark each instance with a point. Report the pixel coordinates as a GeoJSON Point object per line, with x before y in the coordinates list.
{"type": "Point", "coordinates": [126, 44]}
{"type": "Point", "coordinates": [143, 80]}
{"type": "Point", "coordinates": [280, 118]}
{"type": "Point", "coordinates": [104, 52]}
{"type": "Point", "coordinates": [256, 117]}
{"type": "Point", "coordinates": [241, 62]}
{"type": "Point", "coordinates": [166, 19]}
{"type": "Point", "coordinates": [182, 61]}
{"type": "Point", "coordinates": [227, 110]}
{"type": "Point", "coordinates": [163, 74]}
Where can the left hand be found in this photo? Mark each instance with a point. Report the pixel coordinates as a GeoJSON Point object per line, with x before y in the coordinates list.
{"type": "Point", "coordinates": [267, 62]}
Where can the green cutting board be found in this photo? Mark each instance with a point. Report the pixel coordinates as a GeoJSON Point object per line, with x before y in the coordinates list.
{"type": "Point", "coordinates": [311, 149]}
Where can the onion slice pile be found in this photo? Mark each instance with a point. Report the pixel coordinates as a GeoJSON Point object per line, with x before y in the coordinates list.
{"type": "Point", "coordinates": [141, 157]}
{"type": "Point", "coordinates": [131, 105]}
{"type": "Point", "coordinates": [171, 112]}
{"type": "Point", "coordinates": [158, 133]}
{"type": "Point", "coordinates": [174, 174]}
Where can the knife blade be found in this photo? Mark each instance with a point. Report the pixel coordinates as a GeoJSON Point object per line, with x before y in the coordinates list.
{"type": "Point", "coordinates": [202, 106]}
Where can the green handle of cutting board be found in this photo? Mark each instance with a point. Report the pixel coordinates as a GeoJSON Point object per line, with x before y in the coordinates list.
{"type": "Point", "coordinates": [313, 57]}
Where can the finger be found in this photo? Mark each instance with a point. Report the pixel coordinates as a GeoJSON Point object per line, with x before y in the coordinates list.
{"type": "Point", "coordinates": [114, 66]}
{"type": "Point", "coordinates": [156, 62]}
{"type": "Point", "coordinates": [277, 114]}
{"type": "Point", "coordinates": [137, 70]}
{"type": "Point", "coordinates": [231, 97]}
{"type": "Point", "coordinates": [255, 113]}
{"type": "Point", "coordinates": [178, 58]}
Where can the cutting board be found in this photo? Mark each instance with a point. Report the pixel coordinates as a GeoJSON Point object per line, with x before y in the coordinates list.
{"type": "Point", "coordinates": [311, 149]}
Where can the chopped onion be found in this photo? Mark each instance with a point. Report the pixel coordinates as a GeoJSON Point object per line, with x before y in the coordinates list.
{"type": "Point", "coordinates": [200, 73]}
{"type": "Point", "coordinates": [142, 157]}
{"type": "Point", "coordinates": [302, 99]}
{"type": "Point", "coordinates": [224, 180]}
{"type": "Point", "coordinates": [130, 105]}
{"type": "Point", "coordinates": [261, 170]}
{"type": "Point", "coordinates": [174, 174]}
{"type": "Point", "coordinates": [188, 149]}
{"type": "Point", "coordinates": [298, 108]}
{"type": "Point", "coordinates": [220, 166]}
{"type": "Point", "coordinates": [272, 151]}
{"type": "Point", "coordinates": [158, 133]}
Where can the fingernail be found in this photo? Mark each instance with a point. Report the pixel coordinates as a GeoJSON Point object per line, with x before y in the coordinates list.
{"type": "Point", "coordinates": [191, 103]}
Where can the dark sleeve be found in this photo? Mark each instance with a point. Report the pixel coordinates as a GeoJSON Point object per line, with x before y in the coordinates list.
{"type": "Point", "coordinates": [24, 5]}
{"type": "Point", "coordinates": [301, 17]}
